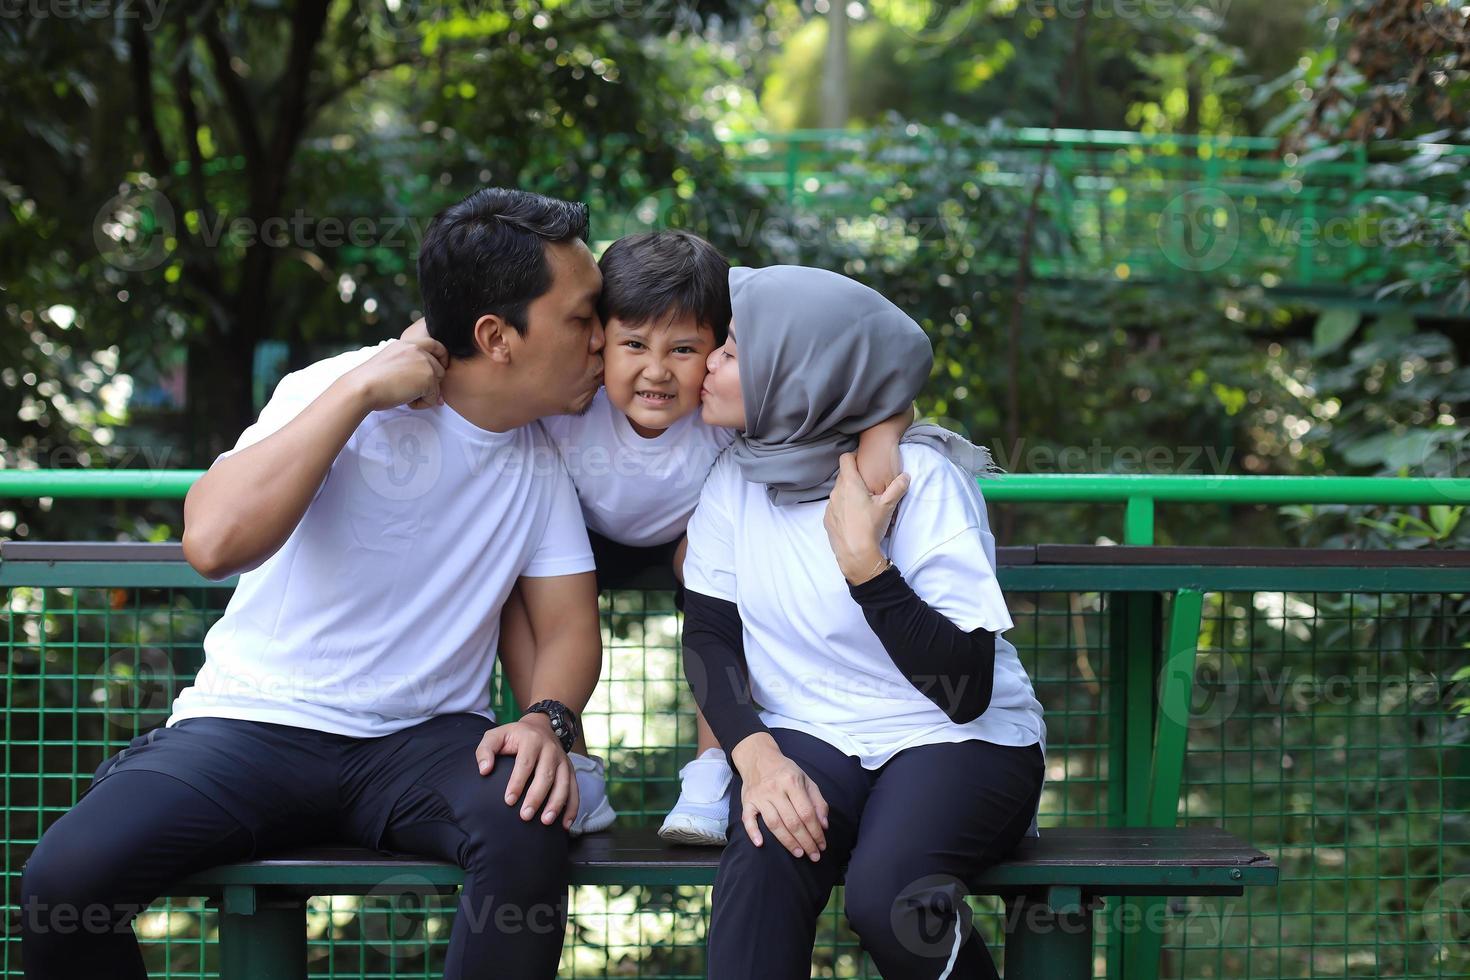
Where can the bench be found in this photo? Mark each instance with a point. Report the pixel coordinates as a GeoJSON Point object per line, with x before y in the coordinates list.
{"type": "Point", "coordinates": [1051, 884]}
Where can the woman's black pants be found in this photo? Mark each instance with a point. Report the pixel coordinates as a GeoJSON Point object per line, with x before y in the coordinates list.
{"type": "Point", "coordinates": [910, 834]}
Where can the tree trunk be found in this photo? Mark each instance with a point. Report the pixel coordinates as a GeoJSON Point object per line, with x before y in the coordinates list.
{"type": "Point", "coordinates": [218, 399]}
{"type": "Point", "coordinates": [222, 361]}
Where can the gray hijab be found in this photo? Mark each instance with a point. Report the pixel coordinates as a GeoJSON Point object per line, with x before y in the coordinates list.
{"type": "Point", "coordinates": [823, 357]}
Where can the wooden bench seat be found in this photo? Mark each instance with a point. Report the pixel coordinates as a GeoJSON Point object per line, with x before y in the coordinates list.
{"type": "Point", "coordinates": [1052, 885]}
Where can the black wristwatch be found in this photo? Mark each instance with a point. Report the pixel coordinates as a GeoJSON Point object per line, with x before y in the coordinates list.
{"type": "Point", "coordinates": [563, 721]}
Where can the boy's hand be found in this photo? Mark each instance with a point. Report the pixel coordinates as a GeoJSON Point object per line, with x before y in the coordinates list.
{"type": "Point", "coordinates": [404, 372]}
{"type": "Point", "coordinates": [417, 330]}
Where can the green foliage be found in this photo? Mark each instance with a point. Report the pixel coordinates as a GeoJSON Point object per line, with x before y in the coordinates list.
{"type": "Point", "coordinates": [1172, 67]}
{"type": "Point", "coordinates": [1117, 378]}
{"type": "Point", "coordinates": [400, 115]}
{"type": "Point", "coordinates": [1394, 404]}
{"type": "Point", "coordinates": [179, 192]}
{"type": "Point", "coordinates": [1391, 70]}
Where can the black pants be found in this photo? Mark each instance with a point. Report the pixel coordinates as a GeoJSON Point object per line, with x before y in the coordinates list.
{"type": "Point", "coordinates": [213, 790]}
{"type": "Point", "coordinates": [911, 834]}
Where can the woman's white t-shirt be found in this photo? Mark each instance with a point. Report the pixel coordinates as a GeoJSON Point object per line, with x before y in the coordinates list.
{"type": "Point", "coordinates": [815, 664]}
{"type": "Point", "coordinates": [382, 609]}
{"type": "Point", "coordinates": [633, 490]}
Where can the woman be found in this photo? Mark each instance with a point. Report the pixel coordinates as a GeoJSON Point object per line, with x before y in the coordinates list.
{"type": "Point", "coordinates": [897, 734]}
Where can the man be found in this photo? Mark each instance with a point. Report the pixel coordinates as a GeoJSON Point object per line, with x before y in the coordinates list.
{"type": "Point", "coordinates": [380, 510]}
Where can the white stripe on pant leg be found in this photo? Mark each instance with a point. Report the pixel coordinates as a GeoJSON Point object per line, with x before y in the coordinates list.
{"type": "Point", "coordinates": [954, 954]}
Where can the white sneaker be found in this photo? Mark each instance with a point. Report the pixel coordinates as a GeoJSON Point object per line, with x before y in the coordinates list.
{"type": "Point", "coordinates": [594, 811]}
{"type": "Point", "coordinates": [703, 809]}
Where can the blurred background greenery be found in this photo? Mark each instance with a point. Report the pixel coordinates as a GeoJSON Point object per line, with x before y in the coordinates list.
{"type": "Point", "coordinates": [1161, 236]}
{"type": "Point", "coordinates": [200, 197]}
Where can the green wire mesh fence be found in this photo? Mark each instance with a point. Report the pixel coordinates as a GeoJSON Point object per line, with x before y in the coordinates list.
{"type": "Point", "coordinates": [1323, 732]}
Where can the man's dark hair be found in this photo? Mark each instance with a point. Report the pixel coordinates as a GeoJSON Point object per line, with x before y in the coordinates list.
{"type": "Point", "coordinates": [487, 254]}
{"type": "Point", "coordinates": [658, 275]}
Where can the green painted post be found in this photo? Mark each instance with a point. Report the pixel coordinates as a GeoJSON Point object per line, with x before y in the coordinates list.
{"type": "Point", "coordinates": [1138, 521]}
{"type": "Point", "coordinates": [1171, 735]}
{"type": "Point", "coordinates": [1134, 644]}
{"type": "Point", "coordinates": [261, 939]}
{"type": "Point", "coordinates": [1166, 772]}
{"type": "Point", "coordinates": [793, 164]}
{"type": "Point", "coordinates": [1117, 742]}
{"type": "Point", "coordinates": [1049, 939]}
{"type": "Point", "coordinates": [1305, 253]}
{"type": "Point", "coordinates": [1144, 615]}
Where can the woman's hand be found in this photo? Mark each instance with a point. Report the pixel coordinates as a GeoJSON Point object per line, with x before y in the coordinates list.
{"type": "Point", "coordinates": [856, 519]}
{"type": "Point", "coordinates": [775, 788]}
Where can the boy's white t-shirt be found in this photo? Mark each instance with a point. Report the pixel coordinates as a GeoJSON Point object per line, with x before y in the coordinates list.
{"type": "Point", "coordinates": [633, 490]}
{"type": "Point", "coordinates": [382, 609]}
{"type": "Point", "coordinates": [815, 664]}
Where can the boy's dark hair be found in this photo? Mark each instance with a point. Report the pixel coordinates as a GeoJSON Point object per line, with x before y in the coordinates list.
{"type": "Point", "coordinates": [663, 274]}
{"type": "Point", "coordinates": [487, 254]}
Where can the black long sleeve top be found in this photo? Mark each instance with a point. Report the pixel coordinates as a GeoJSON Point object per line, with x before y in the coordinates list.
{"type": "Point", "coordinates": [953, 668]}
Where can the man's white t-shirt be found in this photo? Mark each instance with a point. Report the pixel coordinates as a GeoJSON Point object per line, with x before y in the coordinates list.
{"type": "Point", "coordinates": [382, 609]}
{"type": "Point", "coordinates": [815, 664]}
{"type": "Point", "coordinates": [636, 491]}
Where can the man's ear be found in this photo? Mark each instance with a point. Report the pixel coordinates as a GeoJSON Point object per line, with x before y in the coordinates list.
{"type": "Point", "coordinates": [493, 337]}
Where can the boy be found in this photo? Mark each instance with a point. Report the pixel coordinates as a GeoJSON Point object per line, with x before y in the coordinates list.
{"type": "Point", "coordinates": [639, 456]}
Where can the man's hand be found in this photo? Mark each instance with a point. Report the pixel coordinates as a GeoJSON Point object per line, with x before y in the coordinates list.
{"type": "Point", "coordinates": [539, 760]}
{"type": "Point", "coordinates": [405, 372]}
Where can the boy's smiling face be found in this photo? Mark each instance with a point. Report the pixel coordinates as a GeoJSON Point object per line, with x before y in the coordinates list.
{"type": "Point", "coordinates": [654, 370]}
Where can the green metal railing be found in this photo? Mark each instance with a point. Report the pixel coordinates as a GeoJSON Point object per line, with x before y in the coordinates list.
{"type": "Point", "coordinates": [1135, 207]}
{"type": "Point", "coordinates": [1307, 709]}
{"type": "Point", "coordinates": [1140, 495]}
